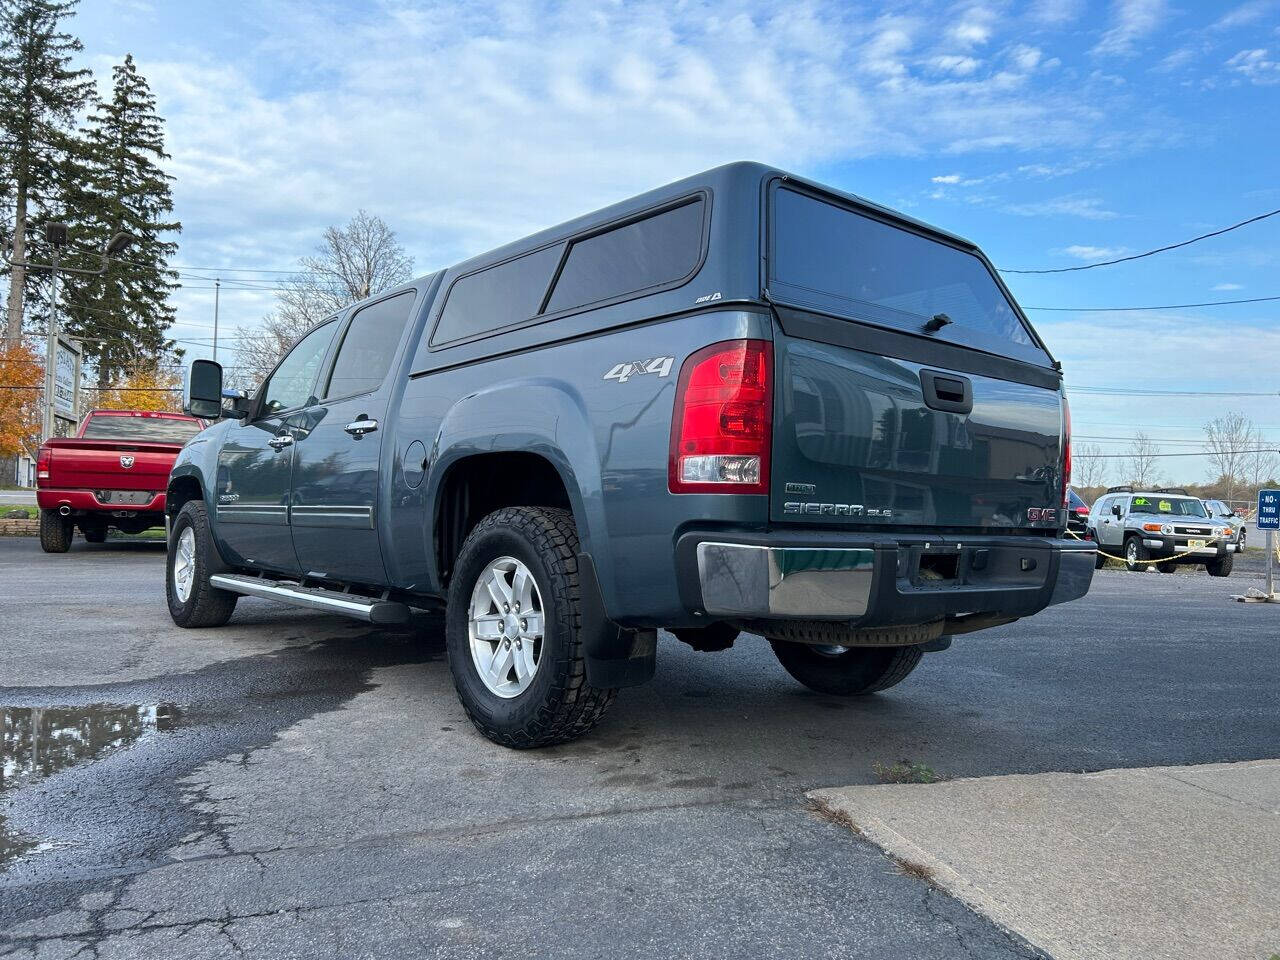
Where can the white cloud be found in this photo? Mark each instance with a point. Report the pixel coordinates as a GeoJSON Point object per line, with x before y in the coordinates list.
{"type": "Point", "coordinates": [1256, 66]}
{"type": "Point", "coordinates": [1131, 21]}
{"type": "Point", "coordinates": [1245, 14]}
{"type": "Point", "coordinates": [1228, 286]}
{"type": "Point", "coordinates": [946, 178]}
{"type": "Point", "coordinates": [1024, 56]}
{"type": "Point", "coordinates": [1088, 208]}
{"type": "Point", "coordinates": [1081, 252]}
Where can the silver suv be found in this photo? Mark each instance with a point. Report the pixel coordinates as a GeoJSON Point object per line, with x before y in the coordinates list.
{"type": "Point", "coordinates": [1219, 512]}
{"type": "Point", "coordinates": [1163, 526]}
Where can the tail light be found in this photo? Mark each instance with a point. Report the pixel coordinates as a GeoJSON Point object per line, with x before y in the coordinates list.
{"type": "Point", "coordinates": [42, 463]}
{"type": "Point", "coordinates": [721, 424]}
{"type": "Point", "coordinates": [1066, 451]}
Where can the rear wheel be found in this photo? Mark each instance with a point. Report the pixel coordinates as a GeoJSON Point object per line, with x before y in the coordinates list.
{"type": "Point", "coordinates": [55, 532]}
{"type": "Point", "coordinates": [1135, 555]}
{"type": "Point", "coordinates": [1099, 561]}
{"type": "Point", "coordinates": [1167, 567]}
{"type": "Point", "coordinates": [192, 560]}
{"type": "Point", "coordinates": [512, 630]}
{"type": "Point", "coordinates": [1222, 566]}
{"type": "Point", "coordinates": [846, 671]}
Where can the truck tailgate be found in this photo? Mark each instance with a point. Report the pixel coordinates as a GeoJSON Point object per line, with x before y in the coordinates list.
{"type": "Point", "coordinates": [857, 444]}
{"type": "Point", "coordinates": [110, 465]}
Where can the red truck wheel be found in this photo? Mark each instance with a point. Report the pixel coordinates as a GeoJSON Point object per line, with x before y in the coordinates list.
{"type": "Point", "coordinates": [55, 532]}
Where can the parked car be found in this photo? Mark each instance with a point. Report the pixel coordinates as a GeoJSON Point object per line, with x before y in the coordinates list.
{"type": "Point", "coordinates": [113, 473]}
{"type": "Point", "coordinates": [1077, 515]}
{"type": "Point", "coordinates": [620, 424]}
{"type": "Point", "coordinates": [1221, 513]}
{"type": "Point", "coordinates": [1161, 525]}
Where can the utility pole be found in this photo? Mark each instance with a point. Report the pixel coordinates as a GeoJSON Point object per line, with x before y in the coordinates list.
{"type": "Point", "coordinates": [56, 235]}
{"type": "Point", "coordinates": [217, 289]}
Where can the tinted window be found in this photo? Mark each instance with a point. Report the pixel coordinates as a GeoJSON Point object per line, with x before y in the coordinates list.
{"type": "Point", "coordinates": [647, 253]}
{"type": "Point", "coordinates": [291, 384]}
{"type": "Point", "coordinates": [497, 297]}
{"type": "Point", "coordinates": [368, 346]}
{"type": "Point", "coordinates": [882, 271]}
{"type": "Point", "coordinates": [145, 429]}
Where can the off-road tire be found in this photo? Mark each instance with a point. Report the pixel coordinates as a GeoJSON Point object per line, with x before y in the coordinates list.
{"type": "Point", "coordinates": [55, 532]}
{"type": "Point", "coordinates": [559, 705]}
{"type": "Point", "coordinates": [1222, 566]}
{"type": "Point", "coordinates": [94, 532]}
{"type": "Point", "coordinates": [709, 639]}
{"type": "Point", "coordinates": [1139, 554]}
{"type": "Point", "coordinates": [1167, 567]}
{"type": "Point", "coordinates": [207, 606]}
{"type": "Point", "coordinates": [855, 672]}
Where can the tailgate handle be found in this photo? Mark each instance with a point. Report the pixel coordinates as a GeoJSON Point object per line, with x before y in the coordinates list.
{"type": "Point", "coordinates": [947, 391]}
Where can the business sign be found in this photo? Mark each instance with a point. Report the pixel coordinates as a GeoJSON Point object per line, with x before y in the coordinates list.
{"type": "Point", "coordinates": [1268, 510]}
{"type": "Point", "coordinates": [66, 371]}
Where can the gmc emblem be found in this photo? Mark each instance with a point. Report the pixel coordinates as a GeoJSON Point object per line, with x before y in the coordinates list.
{"type": "Point", "coordinates": [1045, 514]}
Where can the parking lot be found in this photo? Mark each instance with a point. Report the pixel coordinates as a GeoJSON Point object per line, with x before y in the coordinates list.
{"type": "Point", "coordinates": [302, 785]}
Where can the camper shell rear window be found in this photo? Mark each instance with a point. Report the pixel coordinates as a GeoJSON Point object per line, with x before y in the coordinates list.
{"type": "Point", "coordinates": [856, 264]}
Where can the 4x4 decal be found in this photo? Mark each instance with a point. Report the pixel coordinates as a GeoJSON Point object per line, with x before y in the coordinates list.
{"type": "Point", "coordinates": [622, 372]}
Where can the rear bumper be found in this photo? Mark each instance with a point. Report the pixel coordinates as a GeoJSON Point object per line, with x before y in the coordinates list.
{"type": "Point", "coordinates": [876, 581]}
{"type": "Point", "coordinates": [85, 501]}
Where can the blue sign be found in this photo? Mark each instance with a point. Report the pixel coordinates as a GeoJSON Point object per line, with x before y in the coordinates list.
{"type": "Point", "coordinates": [1268, 510]}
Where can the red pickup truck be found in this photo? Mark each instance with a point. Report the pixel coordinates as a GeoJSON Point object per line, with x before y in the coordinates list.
{"type": "Point", "coordinates": [113, 473]}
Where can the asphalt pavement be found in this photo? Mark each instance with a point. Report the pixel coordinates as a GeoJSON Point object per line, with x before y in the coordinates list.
{"type": "Point", "coordinates": [297, 785]}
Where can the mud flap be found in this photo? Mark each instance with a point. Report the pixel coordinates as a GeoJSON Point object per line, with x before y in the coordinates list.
{"type": "Point", "coordinates": [615, 657]}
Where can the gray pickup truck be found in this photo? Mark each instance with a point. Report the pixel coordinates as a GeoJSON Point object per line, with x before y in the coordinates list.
{"type": "Point", "coordinates": [742, 402]}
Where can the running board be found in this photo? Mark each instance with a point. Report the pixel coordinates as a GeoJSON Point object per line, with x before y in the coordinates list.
{"type": "Point", "coordinates": [348, 604]}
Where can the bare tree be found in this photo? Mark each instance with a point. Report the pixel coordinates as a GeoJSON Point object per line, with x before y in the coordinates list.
{"type": "Point", "coordinates": [1088, 467]}
{"type": "Point", "coordinates": [1232, 440]}
{"type": "Point", "coordinates": [1140, 461]}
{"type": "Point", "coordinates": [353, 262]}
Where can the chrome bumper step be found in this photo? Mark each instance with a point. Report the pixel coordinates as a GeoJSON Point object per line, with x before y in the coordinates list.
{"type": "Point", "coordinates": [319, 598]}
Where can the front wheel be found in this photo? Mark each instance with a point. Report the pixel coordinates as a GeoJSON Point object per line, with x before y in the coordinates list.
{"type": "Point", "coordinates": [846, 671]}
{"type": "Point", "coordinates": [512, 630]}
{"type": "Point", "coordinates": [1135, 555]}
{"type": "Point", "coordinates": [55, 532]}
{"type": "Point", "coordinates": [1222, 566]}
{"type": "Point", "coordinates": [192, 560]}
{"type": "Point", "coordinates": [94, 532]}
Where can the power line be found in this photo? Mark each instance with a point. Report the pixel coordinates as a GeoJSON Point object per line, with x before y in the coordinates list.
{"type": "Point", "coordinates": [1150, 253]}
{"type": "Point", "coordinates": [1167, 306]}
{"type": "Point", "coordinates": [1194, 453]}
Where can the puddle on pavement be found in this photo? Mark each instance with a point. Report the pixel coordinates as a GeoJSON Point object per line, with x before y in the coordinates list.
{"type": "Point", "coordinates": [37, 742]}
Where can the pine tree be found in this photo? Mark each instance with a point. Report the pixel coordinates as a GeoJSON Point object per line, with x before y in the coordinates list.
{"type": "Point", "coordinates": [119, 185]}
{"type": "Point", "coordinates": [40, 97]}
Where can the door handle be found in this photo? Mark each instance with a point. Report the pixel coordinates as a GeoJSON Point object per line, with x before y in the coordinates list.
{"type": "Point", "coordinates": [358, 428]}
{"type": "Point", "coordinates": [280, 441]}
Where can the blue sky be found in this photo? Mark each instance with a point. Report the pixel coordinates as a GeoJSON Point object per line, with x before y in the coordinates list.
{"type": "Point", "coordinates": [1052, 133]}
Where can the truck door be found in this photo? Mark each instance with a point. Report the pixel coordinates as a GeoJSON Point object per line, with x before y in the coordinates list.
{"type": "Point", "coordinates": [334, 504]}
{"type": "Point", "coordinates": [255, 463]}
{"type": "Point", "coordinates": [1111, 527]}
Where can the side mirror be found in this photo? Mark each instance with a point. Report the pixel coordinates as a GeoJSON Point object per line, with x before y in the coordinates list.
{"type": "Point", "coordinates": [1115, 508]}
{"type": "Point", "coordinates": [202, 393]}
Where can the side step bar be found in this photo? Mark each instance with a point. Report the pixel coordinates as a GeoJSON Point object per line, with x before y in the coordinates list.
{"type": "Point", "coordinates": [348, 604]}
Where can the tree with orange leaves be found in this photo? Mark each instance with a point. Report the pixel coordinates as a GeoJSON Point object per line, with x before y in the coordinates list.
{"type": "Point", "coordinates": [21, 388]}
{"type": "Point", "coordinates": [144, 388]}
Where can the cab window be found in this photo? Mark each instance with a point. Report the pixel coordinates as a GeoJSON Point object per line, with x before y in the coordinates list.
{"type": "Point", "coordinates": [291, 384]}
{"type": "Point", "coordinates": [368, 347]}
